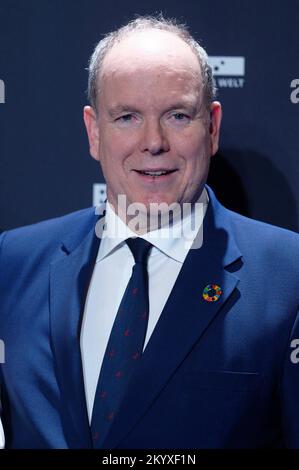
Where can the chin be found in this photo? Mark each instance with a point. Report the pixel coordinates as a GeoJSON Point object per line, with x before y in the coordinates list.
{"type": "Point", "coordinates": [158, 199]}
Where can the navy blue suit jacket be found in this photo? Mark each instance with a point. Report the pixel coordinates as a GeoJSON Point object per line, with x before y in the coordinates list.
{"type": "Point", "coordinates": [213, 375]}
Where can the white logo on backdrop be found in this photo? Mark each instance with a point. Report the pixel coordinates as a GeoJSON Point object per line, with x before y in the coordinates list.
{"type": "Point", "coordinates": [228, 71]}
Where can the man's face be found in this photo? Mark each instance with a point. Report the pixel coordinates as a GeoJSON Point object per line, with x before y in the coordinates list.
{"type": "Point", "coordinates": [153, 134]}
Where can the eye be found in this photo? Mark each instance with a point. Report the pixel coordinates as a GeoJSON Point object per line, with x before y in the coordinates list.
{"type": "Point", "coordinates": [127, 120]}
{"type": "Point", "coordinates": [179, 118]}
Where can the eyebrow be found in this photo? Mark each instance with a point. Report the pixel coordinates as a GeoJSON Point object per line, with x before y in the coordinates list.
{"type": "Point", "coordinates": [118, 109]}
{"type": "Point", "coordinates": [115, 110]}
{"type": "Point", "coordinates": [184, 105]}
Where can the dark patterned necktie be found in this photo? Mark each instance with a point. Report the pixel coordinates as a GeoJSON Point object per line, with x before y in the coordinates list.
{"type": "Point", "coordinates": [125, 344]}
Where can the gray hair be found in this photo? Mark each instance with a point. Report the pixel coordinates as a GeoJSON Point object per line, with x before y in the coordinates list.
{"type": "Point", "coordinates": [140, 24]}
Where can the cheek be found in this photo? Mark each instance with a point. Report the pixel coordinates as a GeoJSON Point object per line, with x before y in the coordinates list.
{"type": "Point", "coordinates": [116, 147]}
{"type": "Point", "coordinates": [192, 143]}
{"type": "Point", "coordinates": [196, 148]}
{"type": "Point", "coordinates": [193, 154]}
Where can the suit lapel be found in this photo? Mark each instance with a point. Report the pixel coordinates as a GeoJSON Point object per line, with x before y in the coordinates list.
{"type": "Point", "coordinates": [185, 317]}
{"type": "Point", "coordinates": [70, 274]}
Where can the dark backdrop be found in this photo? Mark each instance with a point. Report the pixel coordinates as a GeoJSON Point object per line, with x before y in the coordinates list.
{"type": "Point", "coordinates": [45, 167]}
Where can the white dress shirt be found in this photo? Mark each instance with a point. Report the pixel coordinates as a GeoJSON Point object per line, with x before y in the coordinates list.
{"type": "Point", "coordinates": [111, 274]}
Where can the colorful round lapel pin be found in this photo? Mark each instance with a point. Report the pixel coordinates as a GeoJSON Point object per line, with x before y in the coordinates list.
{"type": "Point", "coordinates": [212, 292]}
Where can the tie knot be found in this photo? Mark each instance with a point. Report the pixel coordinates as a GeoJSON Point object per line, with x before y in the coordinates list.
{"type": "Point", "coordinates": [139, 248]}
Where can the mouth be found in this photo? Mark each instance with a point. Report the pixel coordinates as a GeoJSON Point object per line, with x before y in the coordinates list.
{"type": "Point", "coordinates": [155, 174]}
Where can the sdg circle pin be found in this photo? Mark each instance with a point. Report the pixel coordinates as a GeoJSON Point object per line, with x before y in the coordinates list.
{"type": "Point", "coordinates": [211, 293]}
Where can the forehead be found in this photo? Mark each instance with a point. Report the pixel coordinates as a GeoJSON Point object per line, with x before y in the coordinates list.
{"type": "Point", "coordinates": [150, 48]}
{"type": "Point", "coordinates": [153, 68]}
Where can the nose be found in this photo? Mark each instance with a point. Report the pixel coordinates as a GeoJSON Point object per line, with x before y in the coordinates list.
{"type": "Point", "coordinates": [153, 139]}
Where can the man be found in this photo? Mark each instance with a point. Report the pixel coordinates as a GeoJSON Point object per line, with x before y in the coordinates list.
{"type": "Point", "coordinates": [215, 367]}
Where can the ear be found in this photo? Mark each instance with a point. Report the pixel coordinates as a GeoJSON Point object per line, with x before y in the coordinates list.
{"type": "Point", "coordinates": [92, 128]}
{"type": "Point", "coordinates": [215, 122]}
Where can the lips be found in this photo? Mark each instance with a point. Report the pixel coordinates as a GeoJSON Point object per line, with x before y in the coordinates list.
{"type": "Point", "coordinates": [156, 173]}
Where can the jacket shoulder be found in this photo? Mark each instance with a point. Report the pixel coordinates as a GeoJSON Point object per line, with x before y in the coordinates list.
{"type": "Point", "coordinates": [266, 241]}
{"type": "Point", "coordinates": [48, 234]}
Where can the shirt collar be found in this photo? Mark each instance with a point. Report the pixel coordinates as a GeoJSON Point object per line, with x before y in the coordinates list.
{"type": "Point", "coordinates": [174, 241]}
